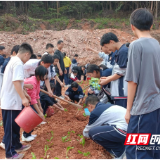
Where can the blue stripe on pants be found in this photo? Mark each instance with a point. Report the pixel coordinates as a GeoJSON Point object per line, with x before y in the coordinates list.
{"type": "Point", "coordinates": [146, 123]}
{"type": "Point", "coordinates": [109, 138]}
{"type": "Point", "coordinates": [11, 132]}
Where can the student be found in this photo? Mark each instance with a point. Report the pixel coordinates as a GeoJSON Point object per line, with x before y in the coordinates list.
{"type": "Point", "coordinates": [80, 70]}
{"type": "Point", "coordinates": [46, 61]}
{"type": "Point", "coordinates": [47, 101]}
{"type": "Point", "coordinates": [73, 77]}
{"type": "Point", "coordinates": [67, 64]}
{"type": "Point", "coordinates": [12, 98]}
{"type": "Point", "coordinates": [143, 109]}
{"type": "Point", "coordinates": [14, 52]}
{"type": "Point", "coordinates": [49, 49]}
{"type": "Point", "coordinates": [33, 56]}
{"type": "Point", "coordinates": [2, 50]}
{"type": "Point", "coordinates": [74, 61]}
{"type": "Point", "coordinates": [40, 75]}
{"type": "Point", "coordinates": [39, 56]}
{"type": "Point", "coordinates": [60, 69]}
{"type": "Point", "coordinates": [107, 126]}
{"type": "Point", "coordinates": [75, 93]}
{"type": "Point", "coordinates": [127, 45]}
{"type": "Point", "coordinates": [117, 79]}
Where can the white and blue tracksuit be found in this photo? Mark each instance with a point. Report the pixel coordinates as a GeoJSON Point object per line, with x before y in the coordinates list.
{"type": "Point", "coordinates": [107, 127]}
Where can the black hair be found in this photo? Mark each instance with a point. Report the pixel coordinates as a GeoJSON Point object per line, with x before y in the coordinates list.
{"type": "Point", "coordinates": [15, 49]}
{"type": "Point", "coordinates": [39, 55]}
{"type": "Point", "coordinates": [103, 66]}
{"type": "Point", "coordinates": [142, 19]}
{"type": "Point", "coordinates": [75, 71]}
{"type": "Point", "coordinates": [83, 67]}
{"type": "Point", "coordinates": [2, 47]}
{"type": "Point", "coordinates": [52, 85]}
{"type": "Point", "coordinates": [59, 42]}
{"type": "Point", "coordinates": [4, 56]}
{"type": "Point", "coordinates": [64, 54]}
{"type": "Point", "coordinates": [93, 67]}
{"type": "Point", "coordinates": [49, 45]}
{"type": "Point", "coordinates": [93, 99]}
{"type": "Point", "coordinates": [127, 44]}
{"type": "Point", "coordinates": [55, 57]}
{"type": "Point", "coordinates": [41, 72]}
{"type": "Point", "coordinates": [74, 85]}
{"type": "Point", "coordinates": [33, 56]}
{"type": "Point", "coordinates": [107, 37]}
{"type": "Point", "coordinates": [76, 55]}
{"type": "Point", "coordinates": [47, 58]}
{"type": "Point", "coordinates": [24, 48]}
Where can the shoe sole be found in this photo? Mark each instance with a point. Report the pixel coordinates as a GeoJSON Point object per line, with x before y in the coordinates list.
{"type": "Point", "coordinates": [16, 158]}
{"type": "Point", "coordinates": [27, 141]}
{"type": "Point", "coordinates": [23, 150]}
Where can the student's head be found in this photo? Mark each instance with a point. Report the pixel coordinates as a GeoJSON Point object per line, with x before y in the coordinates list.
{"type": "Point", "coordinates": [15, 50]}
{"type": "Point", "coordinates": [127, 44]}
{"type": "Point", "coordinates": [76, 56]}
{"type": "Point", "coordinates": [39, 56]}
{"type": "Point", "coordinates": [83, 68]}
{"type": "Point", "coordinates": [51, 85]}
{"type": "Point", "coordinates": [109, 42]}
{"type": "Point", "coordinates": [55, 59]}
{"type": "Point", "coordinates": [49, 48]}
{"type": "Point", "coordinates": [60, 44]}
{"type": "Point", "coordinates": [2, 50]}
{"type": "Point", "coordinates": [25, 52]}
{"type": "Point", "coordinates": [41, 73]}
{"type": "Point", "coordinates": [64, 54]}
{"type": "Point", "coordinates": [4, 56]}
{"type": "Point", "coordinates": [74, 86]}
{"type": "Point", "coordinates": [141, 20]}
{"type": "Point", "coordinates": [75, 72]}
{"type": "Point", "coordinates": [46, 60]}
{"type": "Point", "coordinates": [102, 67]}
{"type": "Point", "coordinates": [93, 71]}
{"type": "Point", "coordinates": [91, 102]}
{"type": "Point", "coordinates": [33, 56]}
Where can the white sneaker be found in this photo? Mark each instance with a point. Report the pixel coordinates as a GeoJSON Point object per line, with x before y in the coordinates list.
{"type": "Point", "coordinates": [43, 122]}
{"type": "Point", "coordinates": [2, 145]}
{"type": "Point", "coordinates": [34, 135]}
{"type": "Point", "coordinates": [62, 97]}
{"type": "Point", "coordinates": [28, 139]}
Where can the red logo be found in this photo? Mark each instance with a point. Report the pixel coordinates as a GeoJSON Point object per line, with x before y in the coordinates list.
{"type": "Point", "coordinates": [137, 139]}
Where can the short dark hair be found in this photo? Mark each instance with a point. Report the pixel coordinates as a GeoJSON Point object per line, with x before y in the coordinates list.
{"type": "Point", "coordinates": [39, 55]}
{"type": "Point", "coordinates": [93, 67]}
{"type": "Point", "coordinates": [107, 37]}
{"type": "Point", "coordinates": [15, 49]}
{"type": "Point", "coordinates": [4, 56]}
{"type": "Point", "coordinates": [75, 71]}
{"type": "Point", "coordinates": [103, 66]}
{"type": "Point", "coordinates": [25, 47]}
{"type": "Point", "coordinates": [93, 99]}
{"type": "Point", "coordinates": [47, 58]}
{"type": "Point", "coordinates": [127, 44]}
{"type": "Point", "coordinates": [33, 56]}
{"type": "Point", "coordinates": [74, 85]}
{"type": "Point", "coordinates": [2, 47]}
{"type": "Point", "coordinates": [49, 45]}
{"type": "Point", "coordinates": [41, 72]}
{"type": "Point", "coordinates": [142, 19]}
{"type": "Point", "coordinates": [59, 42]}
{"type": "Point", "coordinates": [76, 55]}
{"type": "Point", "coordinates": [83, 67]}
{"type": "Point", "coordinates": [64, 54]}
{"type": "Point", "coordinates": [55, 57]}
{"type": "Point", "coordinates": [52, 85]}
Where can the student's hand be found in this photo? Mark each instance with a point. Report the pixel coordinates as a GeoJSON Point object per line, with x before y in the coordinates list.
{"type": "Point", "coordinates": [104, 81]}
{"type": "Point", "coordinates": [127, 116]}
{"type": "Point", "coordinates": [50, 93]}
{"type": "Point", "coordinates": [60, 73]}
{"type": "Point", "coordinates": [65, 72]}
{"type": "Point", "coordinates": [62, 85]}
{"type": "Point", "coordinates": [28, 97]}
{"type": "Point", "coordinates": [42, 116]}
{"type": "Point", "coordinates": [25, 102]}
{"type": "Point", "coordinates": [90, 91]}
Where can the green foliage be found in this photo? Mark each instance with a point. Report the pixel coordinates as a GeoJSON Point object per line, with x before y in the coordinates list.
{"type": "Point", "coordinates": [45, 115]}
{"type": "Point", "coordinates": [68, 148]}
{"type": "Point", "coordinates": [67, 137]}
{"type": "Point", "coordinates": [33, 155]}
{"type": "Point", "coordinates": [56, 158]}
{"type": "Point", "coordinates": [46, 148]}
{"type": "Point", "coordinates": [1, 123]}
{"type": "Point", "coordinates": [94, 82]}
{"type": "Point", "coordinates": [83, 140]}
{"type": "Point", "coordinates": [49, 140]}
{"type": "Point", "coordinates": [84, 154]}
{"type": "Point", "coordinates": [65, 110]}
{"type": "Point", "coordinates": [84, 115]}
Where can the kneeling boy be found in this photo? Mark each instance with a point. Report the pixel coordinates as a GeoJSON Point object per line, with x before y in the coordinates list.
{"type": "Point", "coordinates": [107, 126]}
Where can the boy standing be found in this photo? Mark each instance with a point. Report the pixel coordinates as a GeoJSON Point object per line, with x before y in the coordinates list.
{"type": "Point", "coordinates": [74, 61]}
{"type": "Point", "coordinates": [49, 49]}
{"type": "Point", "coordinates": [143, 105]}
{"type": "Point", "coordinates": [12, 98]}
{"type": "Point", "coordinates": [110, 42]}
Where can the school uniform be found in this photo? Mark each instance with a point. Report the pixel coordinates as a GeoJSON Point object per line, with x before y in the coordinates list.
{"type": "Point", "coordinates": [72, 78]}
{"type": "Point", "coordinates": [107, 127]}
{"type": "Point", "coordinates": [11, 105]}
{"type": "Point", "coordinates": [75, 95]}
{"type": "Point", "coordinates": [143, 69]}
{"type": "Point", "coordinates": [119, 86]}
{"type": "Point", "coordinates": [5, 64]}
{"type": "Point", "coordinates": [74, 63]}
{"type": "Point", "coordinates": [104, 57]}
{"type": "Point", "coordinates": [79, 70]}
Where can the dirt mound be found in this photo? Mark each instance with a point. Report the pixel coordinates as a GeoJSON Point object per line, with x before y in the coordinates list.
{"type": "Point", "coordinates": [75, 41]}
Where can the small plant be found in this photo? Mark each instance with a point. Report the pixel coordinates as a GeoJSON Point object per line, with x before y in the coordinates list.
{"type": "Point", "coordinates": [56, 158]}
{"type": "Point", "coordinates": [1, 123]}
{"type": "Point", "coordinates": [65, 110]}
{"type": "Point", "coordinates": [68, 148]}
{"type": "Point", "coordinates": [65, 138]}
{"type": "Point", "coordinates": [45, 115]}
{"type": "Point", "coordinates": [46, 148]}
{"type": "Point", "coordinates": [84, 154]}
{"type": "Point", "coordinates": [84, 105]}
{"type": "Point", "coordinates": [51, 137]}
{"type": "Point", "coordinates": [33, 155]}
{"type": "Point", "coordinates": [83, 140]}
{"type": "Point", "coordinates": [84, 115]}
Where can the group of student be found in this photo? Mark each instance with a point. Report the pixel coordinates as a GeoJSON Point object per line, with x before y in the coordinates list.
{"type": "Point", "coordinates": [128, 76]}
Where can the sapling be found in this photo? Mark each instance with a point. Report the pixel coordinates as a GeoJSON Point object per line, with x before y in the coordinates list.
{"type": "Point", "coordinates": [65, 110]}
{"type": "Point", "coordinates": [84, 115]}
{"type": "Point", "coordinates": [68, 148]}
{"type": "Point", "coordinates": [82, 142]}
{"type": "Point", "coordinates": [1, 123]}
{"type": "Point", "coordinates": [51, 137]}
{"type": "Point", "coordinates": [84, 154]}
{"type": "Point", "coordinates": [56, 158]}
{"type": "Point", "coordinates": [45, 115]}
{"type": "Point", "coordinates": [46, 148]}
{"type": "Point", "coordinates": [33, 155]}
{"type": "Point", "coordinates": [64, 139]}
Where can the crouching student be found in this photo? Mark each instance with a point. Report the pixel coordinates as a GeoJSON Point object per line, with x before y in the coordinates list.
{"type": "Point", "coordinates": [40, 75]}
{"type": "Point", "coordinates": [73, 77]}
{"type": "Point", "coordinates": [47, 101]}
{"type": "Point", "coordinates": [12, 98]}
{"type": "Point", "coordinates": [107, 126]}
{"type": "Point", "coordinates": [75, 93]}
